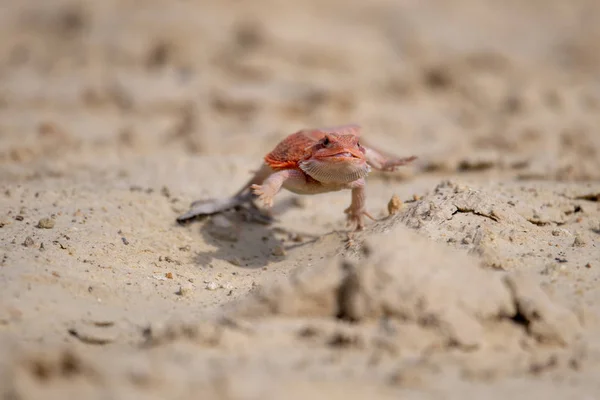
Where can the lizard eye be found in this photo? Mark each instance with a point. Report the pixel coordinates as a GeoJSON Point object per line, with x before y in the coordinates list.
{"type": "Point", "coordinates": [326, 141]}
{"type": "Point", "coordinates": [360, 147]}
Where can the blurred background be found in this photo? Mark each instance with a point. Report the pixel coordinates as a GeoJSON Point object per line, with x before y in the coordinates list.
{"type": "Point", "coordinates": [467, 85]}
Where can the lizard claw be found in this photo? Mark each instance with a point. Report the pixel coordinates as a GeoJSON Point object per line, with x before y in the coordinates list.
{"type": "Point", "coordinates": [355, 218]}
{"type": "Point", "coordinates": [263, 194]}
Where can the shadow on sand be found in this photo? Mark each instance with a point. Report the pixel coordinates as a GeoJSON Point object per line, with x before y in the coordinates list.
{"type": "Point", "coordinates": [247, 237]}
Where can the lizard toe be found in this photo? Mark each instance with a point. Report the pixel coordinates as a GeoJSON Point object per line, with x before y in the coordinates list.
{"type": "Point", "coordinates": [257, 189]}
{"type": "Point", "coordinates": [354, 221]}
{"type": "Point", "coordinates": [263, 195]}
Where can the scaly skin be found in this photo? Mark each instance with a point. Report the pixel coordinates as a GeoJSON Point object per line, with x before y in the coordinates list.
{"type": "Point", "coordinates": [316, 161]}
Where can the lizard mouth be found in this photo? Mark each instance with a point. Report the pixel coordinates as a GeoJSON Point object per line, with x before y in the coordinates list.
{"type": "Point", "coordinates": [344, 154]}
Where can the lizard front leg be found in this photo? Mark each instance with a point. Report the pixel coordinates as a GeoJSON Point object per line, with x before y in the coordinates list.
{"type": "Point", "coordinates": [357, 210]}
{"type": "Point", "coordinates": [273, 184]}
{"type": "Point", "coordinates": [258, 178]}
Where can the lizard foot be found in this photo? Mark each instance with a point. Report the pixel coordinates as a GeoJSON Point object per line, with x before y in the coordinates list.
{"type": "Point", "coordinates": [264, 194]}
{"type": "Point", "coordinates": [355, 218]}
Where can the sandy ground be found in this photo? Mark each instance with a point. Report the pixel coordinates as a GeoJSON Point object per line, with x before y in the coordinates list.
{"type": "Point", "coordinates": [115, 115]}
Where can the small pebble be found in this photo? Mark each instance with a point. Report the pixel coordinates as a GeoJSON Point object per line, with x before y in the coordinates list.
{"type": "Point", "coordinates": [46, 223]}
{"type": "Point", "coordinates": [394, 205]}
{"type": "Point", "coordinates": [278, 251]}
{"type": "Point", "coordinates": [125, 241]}
{"type": "Point", "coordinates": [211, 286]}
{"type": "Point", "coordinates": [235, 261]}
{"type": "Point", "coordinates": [19, 218]}
{"type": "Point", "coordinates": [579, 241]}
{"type": "Point", "coordinates": [588, 265]}
{"type": "Point", "coordinates": [185, 289]}
{"type": "Point", "coordinates": [169, 275]}
{"type": "Point", "coordinates": [172, 260]}
{"type": "Point", "coordinates": [296, 237]}
{"type": "Point", "coordinates": [28, 242]}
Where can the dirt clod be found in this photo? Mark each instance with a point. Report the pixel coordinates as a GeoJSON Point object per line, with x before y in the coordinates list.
{"type": "Point", "coordinates": [46, 223]}
{"type": "Point", "coordinates": [394, 205]}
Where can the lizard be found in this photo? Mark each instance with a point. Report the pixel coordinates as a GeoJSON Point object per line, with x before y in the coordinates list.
{"type": "Point", "coordinates": [309, 162]}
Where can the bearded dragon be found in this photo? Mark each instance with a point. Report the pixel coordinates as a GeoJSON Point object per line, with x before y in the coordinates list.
{"type": "Point", "coordinates": [308, 162]}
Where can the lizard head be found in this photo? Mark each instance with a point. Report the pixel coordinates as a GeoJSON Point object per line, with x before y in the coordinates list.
{"type": "Point", "coordinates": [336, 159]}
